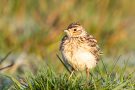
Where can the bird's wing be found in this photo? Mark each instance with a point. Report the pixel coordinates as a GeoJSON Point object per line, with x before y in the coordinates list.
{"type": "Point", "coordinates": [63, 41]}
{"type": "Point", "coordinates": [93, 46]}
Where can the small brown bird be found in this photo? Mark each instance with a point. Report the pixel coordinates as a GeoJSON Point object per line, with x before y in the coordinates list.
{"type": "Point", "coordinates": [79, 50]}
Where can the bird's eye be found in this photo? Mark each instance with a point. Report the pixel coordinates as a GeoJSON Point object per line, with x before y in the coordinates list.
{"type": "Point", "coordinates": [75, 29]}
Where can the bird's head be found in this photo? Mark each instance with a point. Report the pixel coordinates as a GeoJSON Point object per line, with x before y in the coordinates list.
{"type": "Point", "coordinates": [75, 30]}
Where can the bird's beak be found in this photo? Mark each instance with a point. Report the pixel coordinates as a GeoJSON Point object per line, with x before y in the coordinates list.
{"type": "Point", "coordinates": [66, 31]}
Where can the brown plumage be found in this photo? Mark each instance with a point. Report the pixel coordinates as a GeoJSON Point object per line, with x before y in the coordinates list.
{"type": "Point", "coordinates": [79, 50]}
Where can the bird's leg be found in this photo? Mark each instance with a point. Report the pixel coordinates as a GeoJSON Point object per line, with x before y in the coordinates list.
{"type": "Point", "coordinates": [71, 74]}
{"type": "Point", "coordinates": [87, 73]}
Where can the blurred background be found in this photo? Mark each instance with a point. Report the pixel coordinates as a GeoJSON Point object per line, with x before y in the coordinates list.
{"type": "Point", "coordinates": [32, 30]}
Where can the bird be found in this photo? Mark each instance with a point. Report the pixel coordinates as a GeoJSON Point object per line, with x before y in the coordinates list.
{"type": "Point", "coordinates": [79, 50]}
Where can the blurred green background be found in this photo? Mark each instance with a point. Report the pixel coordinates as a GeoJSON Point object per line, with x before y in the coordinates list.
{"type": "Point", "coordinates": [32, 29]}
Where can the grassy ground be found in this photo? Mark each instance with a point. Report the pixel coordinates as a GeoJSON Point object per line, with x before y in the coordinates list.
{"type": "Point", "coordinates": [103, 77]}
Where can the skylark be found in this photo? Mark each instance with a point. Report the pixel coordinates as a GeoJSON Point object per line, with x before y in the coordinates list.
{"type": "Point", "coordinates": [79, 49]}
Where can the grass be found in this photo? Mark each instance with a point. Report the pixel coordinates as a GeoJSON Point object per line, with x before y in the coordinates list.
{"type": "Point", "coordinates": [103, 77]}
